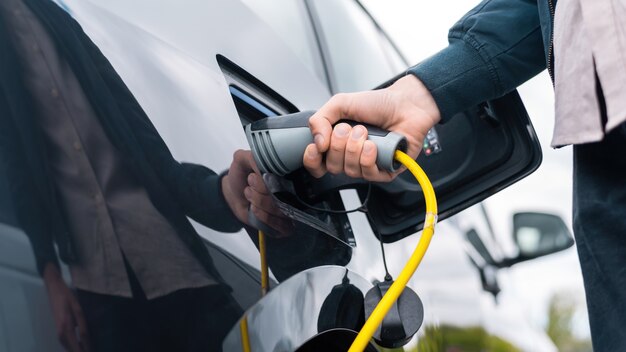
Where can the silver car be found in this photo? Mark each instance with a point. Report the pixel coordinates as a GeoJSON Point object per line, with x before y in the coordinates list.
{"type": "Point", "coordinates": [204, 69]}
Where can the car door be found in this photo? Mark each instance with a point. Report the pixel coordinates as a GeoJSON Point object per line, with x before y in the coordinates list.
{"type": "Point", "coordinates": [357, 55]}
{"type": "Point", "coordinates": [167, 54]}
{"type": "Point", "coordinates": [190, 67]}
{"type": "Point", "coordinates": [180, 62]}
{"type": "Point", "coordinates": [268, 72]}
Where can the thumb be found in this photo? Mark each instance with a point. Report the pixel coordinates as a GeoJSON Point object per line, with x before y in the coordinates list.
{"type": "Point", "coordinates": [321, 123]}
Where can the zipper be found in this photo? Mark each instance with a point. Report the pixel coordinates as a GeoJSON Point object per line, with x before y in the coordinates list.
{"type": "Point", "coordinates": [550, 48]}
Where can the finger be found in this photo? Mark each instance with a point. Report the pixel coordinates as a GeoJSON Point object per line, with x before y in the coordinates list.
{"type": "Point", "coordinates": [256, 182]}
{"type": "Point", "coordinates": [368, 164]}
{"type": "Point", "coordinates": [245, 161]}
{"type": "Point", "coordinates": [354, 146]}
{"type": "Point", "coordinates": [281, 224]}
{"type": "Point", "coordinates": [314, 161]}
{"type": "Point", "coordinates": [252, 163]}
{"type": "Point", "coordinates": [70, 341]}
{"type": "Point", "coordinates": [262, 201]}
{"type": "Point", "coordinates": [239, 202]}
{"type": "Point", "coordinates": [374, 107]}
{"type": "Point", "coordinates": [336, 153]}
{"type": "Point", "coordinates": [79, 318]}
{"type": "Point", "coordinates": [322, 121]}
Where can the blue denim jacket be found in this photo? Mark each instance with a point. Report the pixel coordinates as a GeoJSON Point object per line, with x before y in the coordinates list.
{"type": "Point", "coordinates": [494, 48]}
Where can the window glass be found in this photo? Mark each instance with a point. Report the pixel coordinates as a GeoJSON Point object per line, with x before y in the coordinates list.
{"type": "Point", "coordinates": [358, 61]}
{"type": "Point", "coordinates": [288, 18]}
{"type": "Point", "coordinates": [397, 62]}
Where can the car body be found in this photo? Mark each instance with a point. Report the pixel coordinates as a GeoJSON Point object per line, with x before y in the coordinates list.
{"type": "Point", "coordinates": [181, 60]}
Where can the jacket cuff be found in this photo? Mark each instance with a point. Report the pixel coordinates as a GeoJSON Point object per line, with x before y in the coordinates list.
{"type": "Point", "coordinates": [232, 224]}
{"type": "Point", "coordinates": [457, 77]}
{"type": "Point", "coordinates": [42, 261]}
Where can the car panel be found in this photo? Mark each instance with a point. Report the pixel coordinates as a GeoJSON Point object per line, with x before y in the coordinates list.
{"type": "Point", "coordinates": [166, 54]}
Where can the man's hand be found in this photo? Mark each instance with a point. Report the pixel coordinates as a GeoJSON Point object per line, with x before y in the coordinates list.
{"type": "Point", "coordinates": [244, 189]}
{"type": "Point", "coordinates": [68, 315]}
{"type": "Point", "coordinates": [406, 107]}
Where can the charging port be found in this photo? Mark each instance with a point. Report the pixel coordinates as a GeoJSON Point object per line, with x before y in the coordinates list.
{"type": "Point", "coordinates": [331, 238]}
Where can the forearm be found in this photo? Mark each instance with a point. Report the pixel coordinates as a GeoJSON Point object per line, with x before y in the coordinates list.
{"type": "Point", "coordinates": [201, 193]}
{"type": "Point", "coordinates": [493, 49]}
{"type": "Point", "coordinates": [30, 210]}
{"type": "Point", "coordinates": [51, 274]}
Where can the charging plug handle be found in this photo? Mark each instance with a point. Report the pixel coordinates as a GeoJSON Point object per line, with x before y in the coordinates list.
{"type": "Point", "coordinates": [278, 143]}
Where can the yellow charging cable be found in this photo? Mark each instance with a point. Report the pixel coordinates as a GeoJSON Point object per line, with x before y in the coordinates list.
{"type": "Point", "coordinates": [377, 316]}
{"type": "Point", "coordinates": [265, 276]}
{"type": "Point", "coordinates": [265, 286]}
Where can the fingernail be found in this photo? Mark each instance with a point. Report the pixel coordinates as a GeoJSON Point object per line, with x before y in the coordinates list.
{"type": "Point", "coordinates": [367, 148]}
{"type": "Point", "coordinates": [312, 152]}
{"type": "Point", "coordinates": [357, 132]}
{"type": "Point", "coordinates": [342, 130]}
{"type": "Point", "coordinates": [247, 193]}
{"type": "Point", "coordinates": [251, 180]}
{"type": "Point", "coordinates": [319, 141]}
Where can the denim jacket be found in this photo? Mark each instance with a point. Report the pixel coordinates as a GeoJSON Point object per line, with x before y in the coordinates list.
{"type": "Point", "coordinates": [494, 48]}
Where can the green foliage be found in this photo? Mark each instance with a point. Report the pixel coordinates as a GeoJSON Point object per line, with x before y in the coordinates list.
{"type": "Point", "coordinates": [452, 339]}
{"type": "Point", "coordinates": [445, 338]}
{"type": "Point", "coordinates": [561, 312]}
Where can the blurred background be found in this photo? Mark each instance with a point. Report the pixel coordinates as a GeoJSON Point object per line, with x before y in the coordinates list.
{"type": "Point", "coordinates": [550, 289]}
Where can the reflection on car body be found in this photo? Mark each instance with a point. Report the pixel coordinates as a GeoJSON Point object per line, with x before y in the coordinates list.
{"type": "Point", "coordinates": [201, 72]}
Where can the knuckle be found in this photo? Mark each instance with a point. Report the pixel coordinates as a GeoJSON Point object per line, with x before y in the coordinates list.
{"type": "Point", "coordinates": [337, 147]}
{"type": "Point", "coordinates": [368, 163]}
{"type": "Point", "coordinates": [353, 148]}
{"type": "Point", "coordinates": [352, 172]}
{"type": "Point", "coordinates": [334, 169]}
{"type": "Point", "coordinates": [318, 173]}
{"type": "Point", "coordinates": [316, 122]}
{"type": "Point", "coordinates": [254, 198]}
{"type": "Point", "coordinates": [371, 177]}
{"type": "Point", "coordinates": [370, 172]}
{"type": "Point", "coordinates": [310, 162]}
{"type": "Point", "coordinates": [256, 182]}
{"type": "Point", "coordinates": [238, 154]}
{"type": "Point", "coordinates": [337, 99]}
{"type": "Point", "coordinates": [341, 103]}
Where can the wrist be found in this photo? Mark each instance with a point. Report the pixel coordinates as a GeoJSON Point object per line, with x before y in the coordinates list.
{"type": "Point", "coordinates": [416, 92]}
{"type": "Point", "coordinates": [51, 274]}
{"type": "Point", "coordinates": [226, 191]}
{"type": "Point", "coordinates": [228, 194]}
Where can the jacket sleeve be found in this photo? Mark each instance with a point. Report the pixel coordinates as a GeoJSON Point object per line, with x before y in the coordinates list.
{"type": "Point", "coordinates": [26, 201]}
{"type": "Point", "coordinates": [26, 197]}
{"type": "Point", "coordinates": [493, 49]}
{"type": "Point", "coordinates": [196, 188]}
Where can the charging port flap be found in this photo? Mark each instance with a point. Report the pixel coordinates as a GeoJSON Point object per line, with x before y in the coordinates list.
{"type": "Point", "coordinates": [317, 237]}
{"type": "Point", "coordinates": [476, 154]}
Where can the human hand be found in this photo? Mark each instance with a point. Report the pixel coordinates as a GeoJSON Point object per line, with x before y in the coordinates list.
{"type": "Point", "coordinates": [245, 191]}
{"type": "Point", "coordinates": [68, 315]}
{"type": "Point", "coordinates": [406, 107]}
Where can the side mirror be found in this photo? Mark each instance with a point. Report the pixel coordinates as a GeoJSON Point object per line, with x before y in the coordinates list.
{"type": "Point", "coordinates": [537, 235]}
